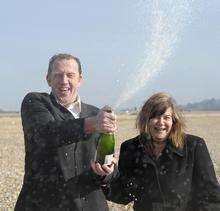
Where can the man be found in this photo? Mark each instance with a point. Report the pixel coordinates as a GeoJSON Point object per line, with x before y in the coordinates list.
{"type": "Point", "coordinates": [61, 136]}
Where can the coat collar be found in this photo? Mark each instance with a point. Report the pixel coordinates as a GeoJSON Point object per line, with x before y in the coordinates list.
{"type": "Point", "coordinates": [60, 110]}
{"type": "Point", "coordinates": [65, 113]}
{"type": "Point", "coordinates": [169, 148]}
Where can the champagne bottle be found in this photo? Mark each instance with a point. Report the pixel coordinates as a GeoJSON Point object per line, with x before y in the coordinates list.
{"type": "Point", "coordinates": [106, 148]}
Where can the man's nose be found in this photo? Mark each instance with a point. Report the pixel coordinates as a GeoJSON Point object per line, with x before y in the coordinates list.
{"type": "Point", "coordinates": [64, 78]}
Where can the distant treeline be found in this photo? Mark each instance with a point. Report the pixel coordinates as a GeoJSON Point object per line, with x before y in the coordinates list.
{"type": "Point", "coordinates": [3, 111]}
{"type": "Point", "coordinates": [205, 105]}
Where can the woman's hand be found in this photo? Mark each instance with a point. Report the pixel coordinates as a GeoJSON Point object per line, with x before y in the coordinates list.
{"type": "Point", "coordinates": [105, 169]}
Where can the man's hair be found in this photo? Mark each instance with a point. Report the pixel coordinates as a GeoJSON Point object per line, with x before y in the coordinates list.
{"type": "Point", "coordinates": [156, 105]}
{"type": "Point", "coordinates": [58, 57]}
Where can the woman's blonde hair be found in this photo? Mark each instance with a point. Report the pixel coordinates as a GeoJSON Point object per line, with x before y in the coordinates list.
{"type": "Point", "coordinates": [156, 105]}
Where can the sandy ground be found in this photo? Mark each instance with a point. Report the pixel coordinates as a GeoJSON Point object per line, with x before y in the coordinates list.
{"type": "Point", "coordinates": [206, 125]}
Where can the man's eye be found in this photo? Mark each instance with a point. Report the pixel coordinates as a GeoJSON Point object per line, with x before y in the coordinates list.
{"type": "Point", "coordinates": [70, 75]}
{"type": "Point", "coordinates": [58, 75]}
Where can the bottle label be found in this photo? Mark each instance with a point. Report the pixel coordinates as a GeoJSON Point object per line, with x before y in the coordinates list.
{"type": "Point", "coordinates": [108, 159]}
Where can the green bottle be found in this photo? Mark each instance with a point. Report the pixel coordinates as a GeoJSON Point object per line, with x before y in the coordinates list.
{"type": "Point", "coordinates": [106, 148]}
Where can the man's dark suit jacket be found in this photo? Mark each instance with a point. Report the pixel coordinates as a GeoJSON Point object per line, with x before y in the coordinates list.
{"type": "Point", "coordinates": [57, 158]}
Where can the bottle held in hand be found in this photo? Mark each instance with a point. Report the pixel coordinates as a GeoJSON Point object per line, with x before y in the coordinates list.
{"type": "Point", "coordinates": [106, 148]}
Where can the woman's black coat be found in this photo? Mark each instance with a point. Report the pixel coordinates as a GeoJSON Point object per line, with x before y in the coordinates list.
{"type": "Point", "coordinates": [179, 180]}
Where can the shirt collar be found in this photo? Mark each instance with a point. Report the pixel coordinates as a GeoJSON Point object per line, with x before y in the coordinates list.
{"type": "Point", "coordinates": [74, 108]}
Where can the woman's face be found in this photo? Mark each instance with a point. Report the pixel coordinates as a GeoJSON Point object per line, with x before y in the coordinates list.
{"type": "Point", "coordinates": [160, 126]}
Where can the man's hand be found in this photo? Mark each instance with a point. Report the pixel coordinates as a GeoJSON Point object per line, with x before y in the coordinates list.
{"type": "Point", "coordinates": [103, 122]}
{"type": "Point", "coordinates": [103, 170]}
{"type": "Point", "coordinates": [106, 121]}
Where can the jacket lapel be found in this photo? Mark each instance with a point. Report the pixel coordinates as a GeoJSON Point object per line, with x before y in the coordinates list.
{"type": "Point", "coordinates": [60, 111]}
{"type": "Point", "coordinates": [86, 111]}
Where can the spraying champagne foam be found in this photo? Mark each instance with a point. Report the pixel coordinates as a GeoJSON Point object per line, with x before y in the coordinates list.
{"type": "Point", "coordinates": [167, 21]}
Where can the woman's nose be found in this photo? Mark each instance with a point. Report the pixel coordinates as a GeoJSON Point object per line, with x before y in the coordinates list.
{"type": "Point", "coordinates": [160, 120]}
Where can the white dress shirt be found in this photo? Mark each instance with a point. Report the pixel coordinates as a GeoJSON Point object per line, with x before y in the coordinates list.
{"type": "Point", "coordinates": [75, 108]}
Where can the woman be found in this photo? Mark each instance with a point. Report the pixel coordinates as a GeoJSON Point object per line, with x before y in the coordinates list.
{"type": "Point", "coordinates": [163, 168]}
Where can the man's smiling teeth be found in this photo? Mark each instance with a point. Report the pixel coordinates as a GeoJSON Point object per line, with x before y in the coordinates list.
{"type": "Point", "coordinates": [64, 89]}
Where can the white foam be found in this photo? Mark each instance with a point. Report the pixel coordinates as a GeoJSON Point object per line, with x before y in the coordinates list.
{"type": "Point", "coordinates": [167, 21]}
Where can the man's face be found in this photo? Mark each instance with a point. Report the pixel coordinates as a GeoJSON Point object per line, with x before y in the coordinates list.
{"type": "Point", "coordinates": [65, 80]}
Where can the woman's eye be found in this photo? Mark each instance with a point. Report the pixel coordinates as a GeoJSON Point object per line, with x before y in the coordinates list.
{"type": "Point", "coordinates": [167, 117]}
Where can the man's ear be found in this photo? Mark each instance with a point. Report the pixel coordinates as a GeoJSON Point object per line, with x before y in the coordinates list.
{"type": "Point", "coordinates": [80, 80]}
{"type": "Point", "coordinates": [48, 80]}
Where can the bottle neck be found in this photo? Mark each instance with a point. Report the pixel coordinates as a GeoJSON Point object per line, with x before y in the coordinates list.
{"type": "Point", "coordinates": [108, 133]}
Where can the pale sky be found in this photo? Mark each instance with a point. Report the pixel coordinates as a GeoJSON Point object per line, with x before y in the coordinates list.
{"type": "Point", "coordinates": [110, 39]}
